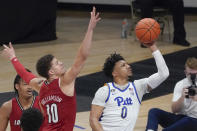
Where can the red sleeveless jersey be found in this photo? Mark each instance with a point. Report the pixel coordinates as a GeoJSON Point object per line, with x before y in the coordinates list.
{"type": "Point", "coordinates": [17, 110]}
{"type": "Point", "coordinates": [59, 109]}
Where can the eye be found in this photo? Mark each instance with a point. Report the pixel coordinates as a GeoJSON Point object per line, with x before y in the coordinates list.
{"type": "Point", "coordinates": [123, 65]}
{"type": "Point", "coordinates": [59, 62]}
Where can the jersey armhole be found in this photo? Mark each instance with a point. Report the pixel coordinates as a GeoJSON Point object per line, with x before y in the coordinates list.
{"type": "Point", "coordinates": [108, 93]}
{"type": "Point", "coordinates": [136, 93]}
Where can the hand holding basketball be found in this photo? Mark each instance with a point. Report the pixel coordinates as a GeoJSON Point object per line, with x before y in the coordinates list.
{"type": "Point", "coordinates": [147, 31]}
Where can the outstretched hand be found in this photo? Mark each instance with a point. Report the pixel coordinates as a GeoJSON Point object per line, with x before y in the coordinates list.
{"type": "Point", "coordinates": [148, 44]}
{"type": "Point", "coordinates": [152, 46]}
{"type": "Point", "coordinates": [8, 51]}
{"type": "Point", "coordinates": [94, 19]}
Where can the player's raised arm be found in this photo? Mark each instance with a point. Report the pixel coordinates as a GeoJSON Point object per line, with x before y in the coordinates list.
{"type": "Point", "coordinates": [83, 51]}
{"type": "Point", "coordinates": [28, 77]}
{"type": "Point", "coordinates": [163, 72]}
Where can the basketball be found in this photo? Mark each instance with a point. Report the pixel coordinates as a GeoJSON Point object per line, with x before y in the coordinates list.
{"type": "Point", "coordinates": [147, 30]}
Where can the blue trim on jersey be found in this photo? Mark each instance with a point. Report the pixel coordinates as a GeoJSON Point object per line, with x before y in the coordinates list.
{"type": "Point", "coordinates": [119, 88]}
{"type": "Point", "coordinates": [79, 127]}
{"type": "Point", "coordinates": [136, 92]}
{"type": "Point", "coordinates": [100, 118]}
{"type": "Point", "coordinates": [108, 94]}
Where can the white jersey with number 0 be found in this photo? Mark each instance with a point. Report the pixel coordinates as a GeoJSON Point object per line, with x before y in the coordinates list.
{"type": "Point", "coordinates": [121, 107]}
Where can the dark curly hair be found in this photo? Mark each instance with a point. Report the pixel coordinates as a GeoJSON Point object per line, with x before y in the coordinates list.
{"type": "Point", "coordinates": [31, 119]}
{"type": "Point", "coordinates": [43, 65]}
{"type": "Point", "coordinates": [17, 80]}
{"type": "Point", "coordinates": [110, 63]}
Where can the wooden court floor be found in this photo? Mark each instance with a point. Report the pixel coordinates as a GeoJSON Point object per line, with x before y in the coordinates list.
{"type": "Point", "coordinates": [71, 27]}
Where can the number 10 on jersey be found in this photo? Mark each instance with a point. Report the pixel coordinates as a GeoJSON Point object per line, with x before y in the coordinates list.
{"type": "Point", "coordinates": [52, 113]}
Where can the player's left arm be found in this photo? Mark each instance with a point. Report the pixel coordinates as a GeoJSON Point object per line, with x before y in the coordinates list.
{"type": "Point", "coordinates": [5, 111]}
{"type": "Point", "coordinates": [98, 103]}
{"type": "Point", "coordinates": [163, 72]}
{"type": "Point", "coordinates": [95, 114]}
{"type": "Point", "coordinates": [68, 78]}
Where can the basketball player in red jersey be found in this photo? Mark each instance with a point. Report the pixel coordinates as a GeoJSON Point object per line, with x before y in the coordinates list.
{"type": "Point", "coordinates": [57, 94]}
{"type": "Point", "coordinates": [11, 111]}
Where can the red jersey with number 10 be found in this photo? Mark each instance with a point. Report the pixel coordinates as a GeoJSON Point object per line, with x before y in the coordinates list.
{"type": "Point", "coordinates": [59, 109]}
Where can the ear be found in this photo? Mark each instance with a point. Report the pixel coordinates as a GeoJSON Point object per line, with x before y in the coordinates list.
{"type": "Point", "coordinates": [114, 73]}
{"type": "Point", "coordinates": [51, 72]}
{"type": "Point", "coordinates": [17, 86]}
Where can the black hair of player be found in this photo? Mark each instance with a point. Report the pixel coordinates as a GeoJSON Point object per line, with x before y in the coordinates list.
{"type": "Point", "coordinates": [17, 80]}
{"type": "Point", "coordinates": [110, 63]}
{"type": "Point", "coordinates": [31, 119]}
{"type": "Point", "coordinates": [43, 65]}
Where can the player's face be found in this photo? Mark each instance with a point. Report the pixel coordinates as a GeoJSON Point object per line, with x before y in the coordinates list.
{"type": "Point", "coordinates": [122, 69]}
{"type": "Point", "coordinates": [24, 89]}
{"type": "Point", "coordinates": [57, 67]}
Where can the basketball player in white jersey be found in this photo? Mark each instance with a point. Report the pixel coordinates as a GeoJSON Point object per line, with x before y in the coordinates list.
{"type": "Point", "coordinates": [116, 105]}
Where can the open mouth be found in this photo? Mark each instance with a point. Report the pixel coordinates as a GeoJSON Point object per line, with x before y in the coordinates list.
{"type": "Point", "coordinates": [29, 92]}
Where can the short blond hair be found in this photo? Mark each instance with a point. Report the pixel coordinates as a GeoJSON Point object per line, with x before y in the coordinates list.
{"type": "Point", "coordinates": [191, 62]}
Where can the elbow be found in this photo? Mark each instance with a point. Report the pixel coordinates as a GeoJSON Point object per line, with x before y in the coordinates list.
{"type": "Point", "coordinates": [165, 74]}
{"type": "Point", "coordinates": [84, 53]}
{"type": "Point", "coordinates": [91, 121]}
{"type": "Point", "coordinates": [84, 56]}
{"type": "Point", "coordinates": [94, 122]}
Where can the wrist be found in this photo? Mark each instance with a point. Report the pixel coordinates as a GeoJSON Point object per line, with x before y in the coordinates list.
{"type": "Point", "coordinates": [89, 29]}
{"type": "Point", "coordinates": [153, 48]}
{"type": "Point", "coordinates": [13, 58]}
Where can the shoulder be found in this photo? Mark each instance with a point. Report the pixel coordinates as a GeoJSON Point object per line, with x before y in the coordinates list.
{"type": "Point", "coordinates": [101, 96]}
{"type": "Point", "coordinates": [6, 108]}
{"type": "Point", "coordinates": [141, 86]}
{"type": "Point", "coordinates": [103, 90]}
{"type": "Point", "coordinates": [7, 104]}
{"type": "Point", "coordinates": [104, 87]}
{"type": "Point", "coordinates": [141, 82]}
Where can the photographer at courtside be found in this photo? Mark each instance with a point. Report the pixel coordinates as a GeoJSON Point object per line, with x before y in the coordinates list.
{"type": "Point", "coordinates": [184, 104]}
